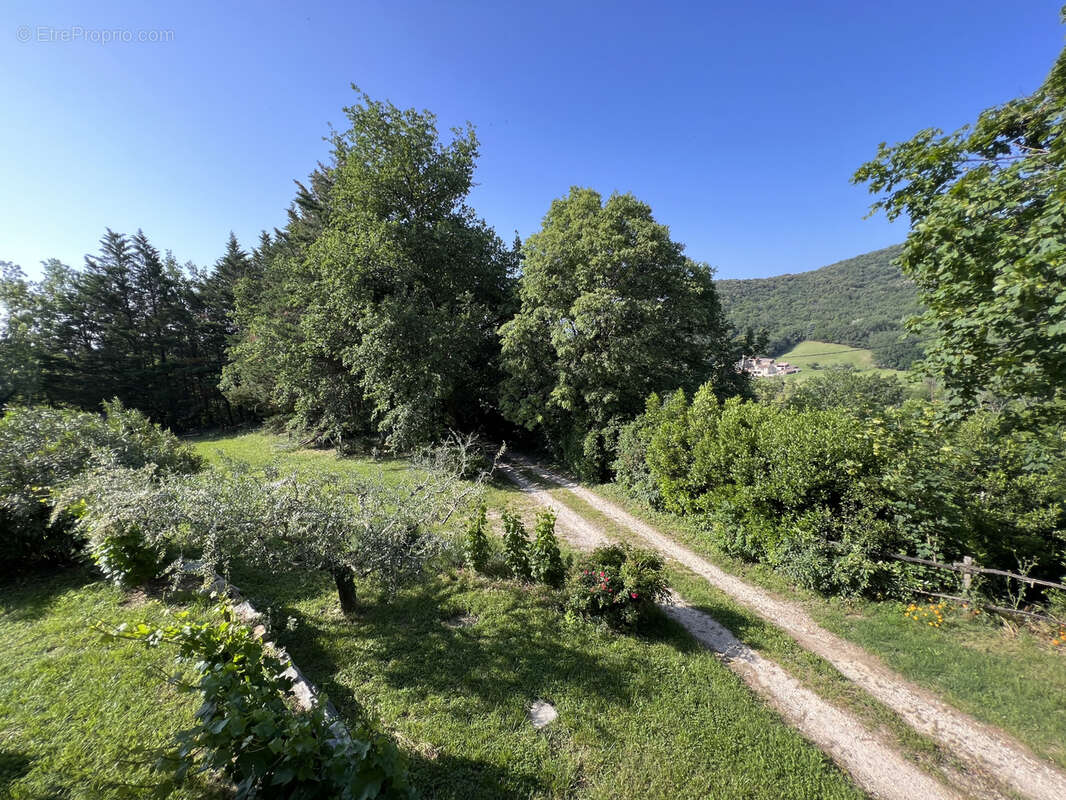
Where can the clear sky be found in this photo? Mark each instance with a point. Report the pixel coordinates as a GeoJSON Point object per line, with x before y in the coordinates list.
{"type": "Point", "coordinates": [739, 122]}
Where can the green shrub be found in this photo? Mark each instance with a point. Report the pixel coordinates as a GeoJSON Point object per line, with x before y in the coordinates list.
{"type": "Point", "coordinates": [824, 490]}
{"type": "Point", "coordinates": [839, 554]}
{"type": "Point", "coordinates": [516, 546]}
{"type": "Point", "coordinates": [127, 516]}
{"type": "Point", "coordinates": [42, 448]}
{"type": "Point", "coordinates": [746, 536]}
{"type": "Point", "coordinates": [630, 466]}
{"type": "Point", "coordinates": [476, 541]}
{"type": "Point", "coordinates": [545, 560]}
{"type": "Point", "coordinates": [247, 729]}
{"type": "Point", "coordinates": [618, 584]}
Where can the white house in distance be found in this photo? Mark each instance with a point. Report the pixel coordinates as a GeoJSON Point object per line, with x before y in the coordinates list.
{"type": "Point", "coordinates": [765, 367]}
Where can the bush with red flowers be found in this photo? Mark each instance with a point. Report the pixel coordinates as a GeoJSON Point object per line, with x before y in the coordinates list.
{"type": "Point", "coordinates": [617, 583]}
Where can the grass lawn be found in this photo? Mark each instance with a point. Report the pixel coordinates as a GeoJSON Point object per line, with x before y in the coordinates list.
{"type": "Point", "coordinates": [810, 355]}
{"type": "Point", "coordinates": [450, 667]}
{"type": "Point", "coordinates": [1006, 677]}
{"type": "Point", "coordinates": [74, 711]}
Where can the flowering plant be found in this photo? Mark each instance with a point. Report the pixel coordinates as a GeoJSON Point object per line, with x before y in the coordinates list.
{"type": "Point", "coordinates": [618, 583]}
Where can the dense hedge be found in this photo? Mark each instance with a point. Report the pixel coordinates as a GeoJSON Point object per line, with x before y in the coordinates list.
{"type": "Point", "coordinates": [825, 494]}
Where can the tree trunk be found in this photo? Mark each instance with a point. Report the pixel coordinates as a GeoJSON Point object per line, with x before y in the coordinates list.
{"type": "Point", "coordinates": [345, 589]}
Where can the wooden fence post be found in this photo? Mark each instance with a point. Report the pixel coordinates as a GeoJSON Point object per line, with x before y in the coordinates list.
{"type": "Point", "coordinates": [967, 577]}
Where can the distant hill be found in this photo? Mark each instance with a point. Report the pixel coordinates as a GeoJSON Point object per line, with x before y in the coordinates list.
{"type": "Point", "coordinates": [860, 302]}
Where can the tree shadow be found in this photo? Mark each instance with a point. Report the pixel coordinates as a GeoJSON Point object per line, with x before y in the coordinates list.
{"type": "Point", "coordinates": [28, 596]}
{"type": "Point", "coordinates": [428, 644]}
{"type": "Point", "coordinates": [443, 777]}
{"type": "Point", "coordinates": [13, 767]}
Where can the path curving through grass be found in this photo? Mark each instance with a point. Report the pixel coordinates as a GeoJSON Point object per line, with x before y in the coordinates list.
{"type": "Point", "coordinates": [981, 747]}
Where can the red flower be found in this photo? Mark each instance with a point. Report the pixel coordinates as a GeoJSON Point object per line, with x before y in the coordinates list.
{"type": "Point", "coordinates": [633, 595]}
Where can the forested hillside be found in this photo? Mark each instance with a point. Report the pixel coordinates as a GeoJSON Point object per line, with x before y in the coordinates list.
{"type": "Point", "coordinates": [860, 301]}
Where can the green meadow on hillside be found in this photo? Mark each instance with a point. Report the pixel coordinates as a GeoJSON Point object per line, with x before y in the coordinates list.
{"type": "Point", "coordinates": [811, 356]}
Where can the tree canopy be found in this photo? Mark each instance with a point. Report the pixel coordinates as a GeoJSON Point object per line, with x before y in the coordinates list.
{"type": "Point", "coordinates": [131, 324]}
{"type": "Point", "coordinates": [611, 310]}
{"type": "Point", "coordinates": [987, 246]}
{"type": "Point", "coordinates": [381, 301]}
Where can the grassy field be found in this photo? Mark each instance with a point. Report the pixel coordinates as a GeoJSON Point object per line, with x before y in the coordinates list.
{"type": "Point", "coordinates": [1003, 675]}
{"type": "Point", "coordinates": [75, 713]}
{"type": "Point", "coordinates": [811, 356]}
{"type": "Point", "coordinates": [451, 666]}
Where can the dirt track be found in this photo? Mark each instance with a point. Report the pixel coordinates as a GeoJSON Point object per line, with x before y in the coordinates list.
{"type": "Point", "coordinates": [874, 765]}
{"type": "Point", "coordinates": [985, 750]}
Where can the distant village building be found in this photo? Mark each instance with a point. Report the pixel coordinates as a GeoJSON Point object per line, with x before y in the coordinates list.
{"type": "Point", "coordinates": [765, 367]}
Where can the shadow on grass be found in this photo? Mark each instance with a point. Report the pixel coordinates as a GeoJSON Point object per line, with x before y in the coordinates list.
{"type": "Point", "coordinates": [448, 777]}
{"type": "Point", "coordinates": [28, 596]}
{"type": "Point", "coordinates": [13, 766]}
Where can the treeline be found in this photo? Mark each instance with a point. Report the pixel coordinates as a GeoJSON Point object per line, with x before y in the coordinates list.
{"type": "Point", "coordinates": [386, 312]}
{"type": "Point", "coordinates": [389, 312]}
{"type": "Point", "coordinates": [861, 301]}
{"type": "Point", "coordinates": [132, 324]}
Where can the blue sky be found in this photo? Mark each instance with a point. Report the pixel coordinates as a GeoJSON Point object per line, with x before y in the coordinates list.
{"type": "Point", "coordinates": [740, 123]}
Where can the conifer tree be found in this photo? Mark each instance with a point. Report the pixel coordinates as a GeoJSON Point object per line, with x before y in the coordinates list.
{"type": "Point", "coordinates": [545, 560]}
{"type": "Point", "coordinates": [515, 546]}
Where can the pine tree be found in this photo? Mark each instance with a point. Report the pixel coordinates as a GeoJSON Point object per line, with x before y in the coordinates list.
{"type": "Point", "coordinates": [515, 546]}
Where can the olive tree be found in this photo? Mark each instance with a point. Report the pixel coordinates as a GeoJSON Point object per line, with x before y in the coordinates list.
{"type": "Point", "coordinates": [350, 528]}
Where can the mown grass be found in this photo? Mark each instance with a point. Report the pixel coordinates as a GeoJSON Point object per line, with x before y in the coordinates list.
{"type": "Point", "coordinates": [450, 667]}
{"type": "Point", "coordinates": [651, 716]}
{"type": "Point", "coordinates": [77, 714]}
{"type": "Point", "coordinates": [811, 356]}
{"type": "Point", "coordinates": [1001, 674]}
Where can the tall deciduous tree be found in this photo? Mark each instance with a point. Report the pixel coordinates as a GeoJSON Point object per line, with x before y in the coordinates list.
{"type": "Point", "coordinates": [391, 289]}
{"type": "Point", "coordinates": [987, 246]}
{"type": "Point", "coordinates": [20, 369]}
{"type": "Point", "coordinates": [611, 311]}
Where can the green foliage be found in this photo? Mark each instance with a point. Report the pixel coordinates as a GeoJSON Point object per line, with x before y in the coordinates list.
{"type": "Point", "coordinates": [987, 247]}
{"type": "Point", "coordinates": [378, 310]}
{"type": "Point", "coordinates": [861, 302]}
{"type": "Point", "coordinates": [617, 583]}
{"type": "Point", "coordinates": [346, 526]}
{"type": "Point", "coordinates": [545, 560]}
{"type": "Point", "coordinates": [894, 349]}
{"type": "Point", "coordinates": [131, 324]}
{"type": "Point", "coordinates": [126, 517]}
{"type": "Point", "coordinates": [824, 493]}
{"type": "Point", "coordinates": [977, 488]}
{"type": "Point", "coordinates": [476, 540]}
{"type": "Point", "coordinates": [846, 388]}
{"type": "Point", "coordinates": [516, 546]}
{"type": "Point", "coordinates": [20, 368]}
{"type": "Point", "coordinates": [42, 448]}
{"type": "Point", "coordinates": [630, 466]}
{"type": "Point", "coordinates": [611, 310]}
{"type": "Point", "coordinates": [246, 727]}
